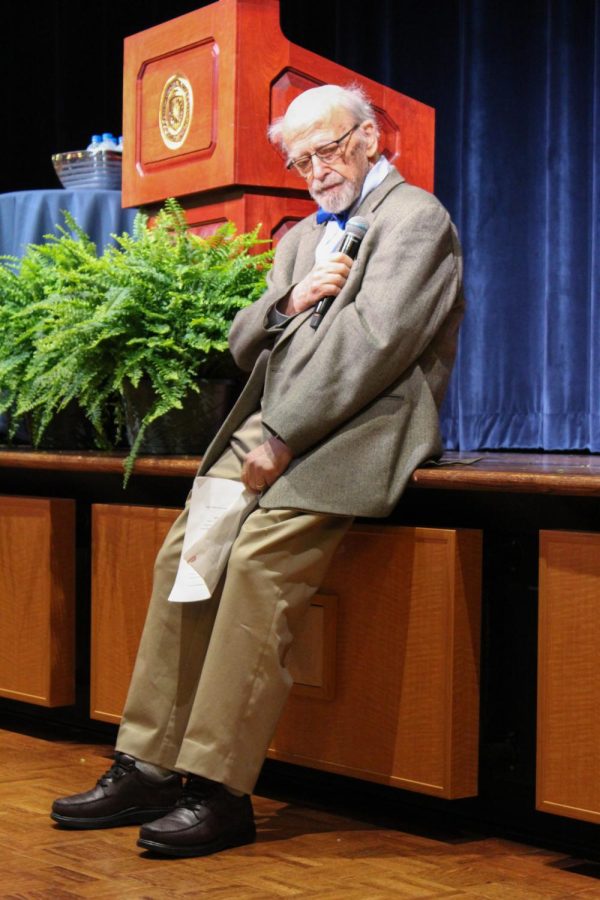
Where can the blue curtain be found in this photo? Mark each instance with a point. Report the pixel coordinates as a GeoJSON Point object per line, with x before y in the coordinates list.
{"type": "Point", "coordinates": [526, 200]}
{"type": "Point", "coordinates": [516, 87]}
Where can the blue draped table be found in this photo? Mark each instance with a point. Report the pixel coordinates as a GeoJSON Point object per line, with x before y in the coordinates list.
{"type": "Point", "coordinates": [26, 216]}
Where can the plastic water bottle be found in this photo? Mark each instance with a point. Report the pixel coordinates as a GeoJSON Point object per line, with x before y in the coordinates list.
{"type": "Point", "coordinates": [108, 141]}
{"type": "Point", "coordinates": [95, 142]}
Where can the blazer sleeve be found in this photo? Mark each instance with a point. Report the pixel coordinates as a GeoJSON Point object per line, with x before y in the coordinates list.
{"type": "Point", "coordinates": [252, 331]}
{"type": "Point", "coordinates": [411, 282]}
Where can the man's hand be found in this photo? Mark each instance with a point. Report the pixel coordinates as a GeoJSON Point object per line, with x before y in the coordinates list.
{"type": "Point", "coordinates": [265, 463]}
{"type": "Point", "coordinates": [325, 279]}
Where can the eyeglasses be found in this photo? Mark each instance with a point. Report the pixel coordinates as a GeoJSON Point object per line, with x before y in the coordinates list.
{"type": "Point", "coordinates": [328, 153]}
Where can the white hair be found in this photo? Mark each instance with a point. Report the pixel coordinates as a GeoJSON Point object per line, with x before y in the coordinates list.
{"type": "Point", "coordinates": [316, 104]}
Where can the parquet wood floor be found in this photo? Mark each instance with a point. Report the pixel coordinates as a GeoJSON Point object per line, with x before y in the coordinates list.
{"type": "Point", "coordinates": [300, 853]}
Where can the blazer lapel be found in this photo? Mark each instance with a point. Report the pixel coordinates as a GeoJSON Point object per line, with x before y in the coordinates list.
{"type": "Point", "coordinates": [307, 248]}
{"type": "Point", "coordinates": [376, 197]}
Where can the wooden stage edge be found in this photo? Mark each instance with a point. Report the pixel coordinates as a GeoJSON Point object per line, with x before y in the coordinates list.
{"type": "Point", "coordinates": [546, 473]}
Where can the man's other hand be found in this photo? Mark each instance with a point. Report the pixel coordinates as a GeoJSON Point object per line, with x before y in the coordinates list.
{"type": "Point", "coordinates": [265, 463]}
{"type": "Point", "coordinates": [325, 279]}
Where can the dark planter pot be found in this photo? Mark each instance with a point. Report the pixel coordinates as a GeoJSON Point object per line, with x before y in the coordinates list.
{"type": "Point", "coordinates": [68, 430]}
{"type": "Point", "coordinates": [185, 431]}
{"type": "Point", "coordinates": [21, 435]}
{"type": "Point", "coordinates": [21, 432]}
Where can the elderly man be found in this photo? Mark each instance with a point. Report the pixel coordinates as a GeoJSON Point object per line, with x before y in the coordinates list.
{"type": "Point", "coordinates": [330, 425]}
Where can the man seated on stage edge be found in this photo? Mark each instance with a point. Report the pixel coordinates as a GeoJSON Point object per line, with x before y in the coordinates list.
{"type": "Point", "coordinates": [330, 425]}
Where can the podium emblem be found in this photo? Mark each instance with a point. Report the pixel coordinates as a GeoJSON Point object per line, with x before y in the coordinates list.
{"type": "Point", "coordinates": [175, 112]}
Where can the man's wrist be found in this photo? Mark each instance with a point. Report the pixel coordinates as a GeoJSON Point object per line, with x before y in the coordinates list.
{"type": "Point", "coordinates": [279, 439]}
{"type": "Point", "coordinates": [278, 442]}
{"type": "Point", "coordinates": [286, 307]}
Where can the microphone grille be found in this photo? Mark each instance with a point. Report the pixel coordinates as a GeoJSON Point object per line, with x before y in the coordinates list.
{"type": "Point", "coordinates": [357, 226]}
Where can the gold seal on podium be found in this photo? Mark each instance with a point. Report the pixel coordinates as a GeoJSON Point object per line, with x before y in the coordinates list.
{"type": "Point", "coordinates": [175, 111]}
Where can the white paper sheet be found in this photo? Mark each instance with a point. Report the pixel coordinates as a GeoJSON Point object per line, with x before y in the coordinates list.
{"type": "Point", "coordinates": [218, 507]}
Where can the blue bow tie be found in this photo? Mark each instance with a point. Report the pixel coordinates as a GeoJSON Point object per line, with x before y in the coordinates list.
{"type": "Point", "coordinates": [340, 218]}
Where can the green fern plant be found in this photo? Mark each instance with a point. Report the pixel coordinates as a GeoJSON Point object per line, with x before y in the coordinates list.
{"type": "Point", "coordinates": [157, 306]}
{"type": "Point", "coordinates": [52, 287]}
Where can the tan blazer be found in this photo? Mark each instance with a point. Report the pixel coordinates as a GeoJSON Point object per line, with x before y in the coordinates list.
{"type": "Point", "coordinates": [357, 400]}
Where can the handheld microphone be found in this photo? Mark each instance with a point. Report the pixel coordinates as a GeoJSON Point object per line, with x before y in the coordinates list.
{"type": "Point", "coordinates": [356, 228]}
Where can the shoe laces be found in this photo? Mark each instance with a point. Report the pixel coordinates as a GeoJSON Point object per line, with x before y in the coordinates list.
{"type": "Point", "coordinates": [121, 766]}
{"type": "Point", "coordinates": [197, 790]}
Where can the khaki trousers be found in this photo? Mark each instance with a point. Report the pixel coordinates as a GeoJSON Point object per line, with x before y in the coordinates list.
{"type": "Point", "coordinates": [210, 680]}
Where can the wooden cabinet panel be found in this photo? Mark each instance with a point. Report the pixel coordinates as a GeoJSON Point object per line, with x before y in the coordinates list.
{"type": "Point", "coordinates": [125, 541]}
{"type": "Point", "coordinates": [37, 597]}
{"type": "Point", "coordinates": [405, 709]}
{"type": "Point", "coordinates": [568, 736]}
{"type": "Point", "coordinates": [311, 660]}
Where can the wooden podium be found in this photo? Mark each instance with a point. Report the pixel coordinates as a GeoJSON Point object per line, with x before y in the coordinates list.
{"type": "Point", "coordinates": [199, 94]}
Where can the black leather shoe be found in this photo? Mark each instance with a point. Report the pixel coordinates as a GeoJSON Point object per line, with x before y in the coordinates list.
{"type": "Point", "coordinates": [208, 818]}
{"type": "Point", "coordinates": [123, 796]}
